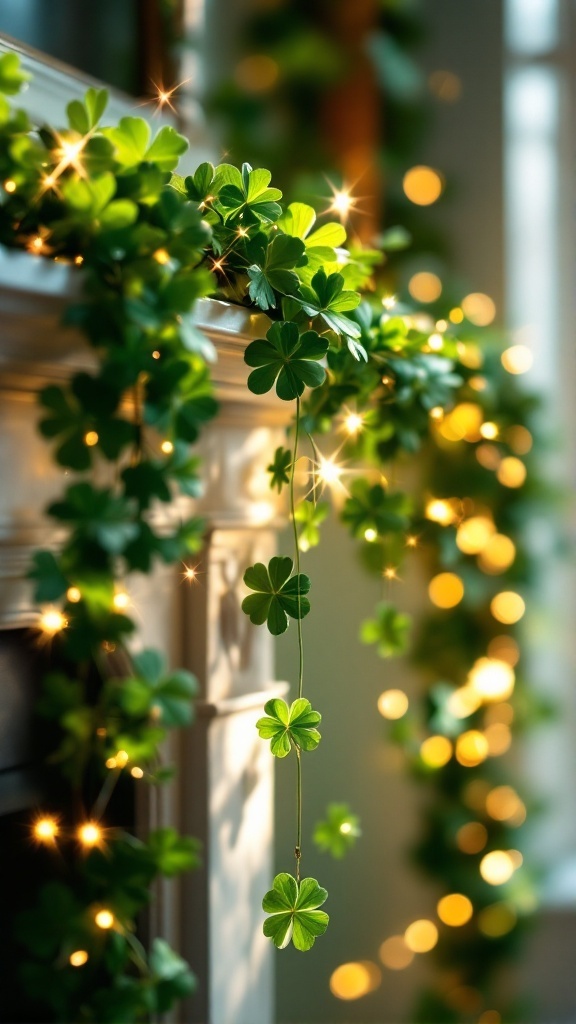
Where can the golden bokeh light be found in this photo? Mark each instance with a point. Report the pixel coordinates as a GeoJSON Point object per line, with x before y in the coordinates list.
{"type": "Point", "coordinates": [475, 793]}
{"type": "Point", "coordinates": [354, 980]}
{"type": "Point", "coordinates": [455, 910]}
{"type": "Point", "coordinates": [256, 73]}
{"type": "Point", "coordinates": [435, 342]}
{"type": "Point", "coordinates": [498, 738]}
{"type": "Point", "coordinates": [507, 607]}
{"type": "Point", "coordinates": [497, 920]}
{"type": "Point", "coordinates": [499, 713]}
{"type": "Point", "coordinates": [136, 772]}
{"type": "Point", "coordinates": [78, 958]}
{"type": "Point", "coordinates": [421, 936]}
{"type": "Point", "coordinates": [45, 829]}
{"type": "Point", "coordinates": [104, 919]}
{"type": "Point", "coordinates": [121, 600]}
{"type": "Point", "coordinates": [370, 535]}
{"type": "Point", "coordinates": [423, 185]}
{"type": "Point", "coordinates": [89, 834]}
{"type": "Point", "coordinates": [52, 621]}
{"type": "Point", "coordinates": [473, 534]}
{"type": "Point", "coordinates": [520, 440]}
{"type": "Point", "coordinates": [441, 511]}
{"type": "Point", "coordinates": [497, 867]}
{"type": "Point", "coordinates": [491, 679]}
{"type": "Point", "coordinates": [517, 359]}
{"type": "Point", "coordinates": [489, 430]}
{"type": "Point", "coordinates": [470, 355]}
{"type": "Point", "coordinates": [488, 456]}
{"type": "Point", "coordinates": [436, 751]}
{"type": "Point", "coordinates": [394, 953]}
{"type": "Point", "coordinates": [471, 748]}
{"type": "Point", "coordinates": [425, 287]}
{"type": "Point", "coordinates": [505, 648]}
{"type": "Point", "coordinates": [456, 315]}
{"type": "Point", "coordinates": [479, 309]}
{"type": "Point", "coordinates": [472, 837]}
{"type": "Point", "coordinates": [393, 704]}
{"type": "Point", "coordinates": [463, 423]}
{"type": "Point", "coordinates": [498, 555]}
{"type": "Point", "coordinates": [167, 447]}
{"type": "Point", "coordinates": [446, 590]}
{"type": "Point", "coordinates": [91, 438]}
{"type": "Point", "coordinates": [73, 595]}
{"type": "Point", "coordinates": [511, 472]}
{"type": "Point", "coordinates": [463, 702]}
{"type": "Point", "coordinates": [504, 804]}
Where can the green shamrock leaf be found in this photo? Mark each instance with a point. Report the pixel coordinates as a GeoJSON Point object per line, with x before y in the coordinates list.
{"type": "Point", "coordinates": [310, 515]}
{"type": "Point", "coordinates": [131, 140]}
{"type": "Point", "coordinates": [151, 691]}
{"type": "Point", "coordinates": [83, 116]}
{"type": "Point", "coordinates": [372, 507]}
{"type": "Point", "coordinates": [277, 596]}
{"type": "Point", "coordinates": [246, 193]}
{"type": "Point", "coordinates": [12, 77]}
{"type": "Point", "coordinates": [279, 468]}
{"type": "Point", "coordinates": [294, 912]}
{"type": "Point", "coordinates": [285, 726]}
{"type": "Point", "coordinates": [271, 264]}
{"type": "Point", "coordinates": [389, 630]}
{"type": "Point", "coordinates": [97, 515]}
{"type": "Point", "coordinates": [288, 358]}
{"type": "Point", "coordinates": [172, 852]}
{"type": "Point", "coordinates": [338, 832]}
{"type": "Point", "coordinates": [89, 406]}
{"type": "Point", "coordinates": [51, 583]}
{"type": "Point", "coordinates": [326, 298]}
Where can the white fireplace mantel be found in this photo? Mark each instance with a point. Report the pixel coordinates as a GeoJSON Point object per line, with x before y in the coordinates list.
{"type": "Point", "coordinates": [223, 791]}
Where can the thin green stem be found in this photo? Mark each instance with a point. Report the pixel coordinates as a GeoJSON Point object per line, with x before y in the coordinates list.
{"type": "Point", "coordinates": [297, 550]}
{"type": "Point", "coordinates": [298, 849]}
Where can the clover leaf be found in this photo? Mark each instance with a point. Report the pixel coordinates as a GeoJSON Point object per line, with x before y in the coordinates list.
{"type": "Point", "coordinates": [246, 193]}
{"type": "Point", "coordinates": [271, 267]}
{"type": "Point", "coordinates": [277, 596]}
{"type": "Point", "coordinates": [287, 358]}
{"type": "Point", "coordinates": [388, 629]}
{"type": "Point", "coordinates": [97, 515]}
{"type": "Point", "coordinates": [279, 468]}
{"type": "Point", "coordinates": [326, 298]}
{"type": "Point", "coordinates": [172, 852]}
{"type": "Point", "coordinates": [285, 726]}
{"type": "Point", "coordinates": [338, 832]}
{"type": "Point", "coordinates": [372, 507]}
{"type": "Point", "coordinates": [294, 912]}
{"type": "Point", "coordinates": [151, 691]}
{"type": "Point", "coordinates": [310, 515]}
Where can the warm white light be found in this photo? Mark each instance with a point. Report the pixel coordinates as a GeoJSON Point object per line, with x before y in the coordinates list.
{"type": "Point", "coordinates": [370, 535]}
{"type": "Point", "coordinates": [45, 829]}
{"type": "Point", "coordinates": [393, 704]}
{"type": "Point", "coordinates": [329, 471]}
{"type": "Point", "coordinates": [167, 447]}
{"type": "Point", "coordinates": [104, 919]}
{"type": "Point", "coordinates": [497, 867]}
{"type": "Point", "coordinates": [52, 621]}
{"type": "Point", "coordinates": [78, 958]}
{"type": "Point", "coordinates": [342, 202]}
{"type": "Point", "coordinates": [90, 834]}
{"type": "Point", "coordinates": [74, 595]}
{"type": "Point", "coordinates": [353, 423]}
{"type": "Point", "coordinates": [121, 600]}
{"type": "Point", "coordinates": [491, 679]}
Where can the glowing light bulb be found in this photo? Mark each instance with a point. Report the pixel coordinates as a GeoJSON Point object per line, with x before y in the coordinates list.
{"type": "Point", "coordinates": [90, 834]}
{"type": "Point", "coordinates": [511, 472]}
{"type": "Point", "coordinates": [104, 919]}
{"type": "Point", "coordinates": [162, 256]}
{"type": "Point", "coordinates": [436, 751]}
{"type": "Point", "coordinates": [389, 301]}
{"type": "Point", "coordinates": [136, 772]}
{"type": "Point", "coordinates": [73, 595]}
{"type": "Point", "coordinates": [190, 573]}
{"type": "Point", "coordinates": [345, 828]}
{"type": "Point", "coordinates": [393, 704]}
{"type": "Point", "coordinates": [489, 430]}
{"type": "Point", "coordinates": [122, 758]}
{"type": "Point", "coordinates": [497, 867]}
{"type": "Point", "coordinates": [425, 287]}
{"type": "Point", "coordinates": [111, 762]}
{"type": "Point", "coordinates": [9, 185]}
{"type": "Point", "coordinates": [91, 438]}
{"type": "Point", "coordinates": [436, 342]}
{"type": "Point", "coordinates": [52, 621]}
{"type": "Point", "coordinates": [167, 447]}
{"type": "Point", "coordinates": [370, 535]}
{"type": "Point", "coordinates": [491, 679]}
{"type": "Point", "coordinates": [471, 748]}
{"type": "Point", "coordinates": [421, 936]}
{"type": "Point", "coordinates": [423, 185]}
{"type": "Point", "coordinates": [78, 958]}
{"type": "Point", "coordinates": [329, 471]}
{"type": "Point", "coordinates": [507, 607]}
{"type": "Point", "coordinates": [356, 979]}
{"type": "Point", "coordinates": [455, 910]}
{"type": "Point", "coordinates": [390, 573]}
{"type": "Point", "coordinates": [517, 359]}
{"type": "Point", "coordinates": [121, 600]}
{"type": "Point", "coordinates": [353, 423]}
{"type": "Point", "coordinates": [440, 511]}
{"type": "Point", "coordinates": [342, 202]}
{"type": "Point", "coordinates": [446, 590]}
{"type": "Point", "coordinates": [411, 541]}
{"type": "Point", "coordinates": [45, 829]}
{"type": "Point", "coordinates": [479, 309]}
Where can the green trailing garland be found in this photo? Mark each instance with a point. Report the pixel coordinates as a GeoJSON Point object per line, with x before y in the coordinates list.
{"type": "Point", "coordinates": [147, 244]}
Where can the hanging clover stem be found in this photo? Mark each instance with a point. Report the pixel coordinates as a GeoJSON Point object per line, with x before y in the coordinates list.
{"type": "Point", "coordinates": [298, 848]}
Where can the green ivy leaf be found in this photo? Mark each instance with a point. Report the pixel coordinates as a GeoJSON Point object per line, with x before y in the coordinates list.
{"type": "Point", "coordinates": [326, 298]}
{"type": "Point", "coordinates": [294, 912]}
{"type": "Point", "coordinates": [285, 726]}
{"type": "Point", "coordinates": [271, 267]}
{"type": "Point", "coordinates": [338, 832]}
{"type": "Point", "coordinates": [279, 468]}
{"type": "Point", "coordinates": [310, 515]}
{"type": "Point", "coordinates": [276, 594]}
{"type": "Point", "coordinates": [287, 358]}
{"type": "Point", "coordinates": [388, 629]}
{"type": "Point", "coordinates": [371, 507]}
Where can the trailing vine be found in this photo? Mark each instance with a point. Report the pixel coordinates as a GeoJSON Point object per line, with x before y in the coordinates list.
{"type": "Point", "coordinates": [146, 243]}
